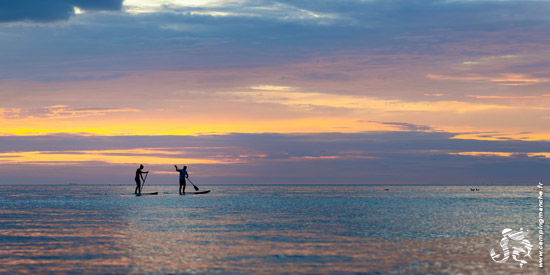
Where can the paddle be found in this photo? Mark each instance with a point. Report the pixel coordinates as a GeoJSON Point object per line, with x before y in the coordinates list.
{"type": "Point", "coordinates": [196, 188]}
{"type": "Point", "coordinates": [144, 179]}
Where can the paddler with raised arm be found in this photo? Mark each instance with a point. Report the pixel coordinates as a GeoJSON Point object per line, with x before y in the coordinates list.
{"type": "Point", "coordinates": [183, 176]}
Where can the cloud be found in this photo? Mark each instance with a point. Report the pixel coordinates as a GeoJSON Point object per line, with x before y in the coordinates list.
{"type": "Point", "coordinates": [59, 112]}
{"type": "Point", "coordinates": [306, 100]}
{"type": "Point", "coordinates": [266, 33]}
{"type": "Point", "coordinates": [51, 10]}
{"type": "Point", "coordinates": [330, 63]}
{"type": "Point", "coordinates": [273, 10]}
{"type": "Point", "coordinates": [271, 88]}
{"type": "Point", "coordinates": [405, 126]}
{"type": "Point", "coordinates": [69, 77]}
{"type": "Point", "coordinates": [503, 79]}
{"type": "Point", "coordinates": [502, 97]}
{"type": "Point", "coordinates": [145, 155]}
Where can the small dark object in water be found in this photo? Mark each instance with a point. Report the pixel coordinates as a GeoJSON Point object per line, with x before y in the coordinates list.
{"type": "Point", "coordinates": [196, 193]}
{"type": "Point", "coordinates": [142, 194]}
{"type": "Point", "coordinates": [386, 189]}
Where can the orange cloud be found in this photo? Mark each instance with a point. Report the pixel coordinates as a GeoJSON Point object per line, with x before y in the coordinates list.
{"type": "Point", "coordinates": [503, 79]}
{"type": "Point", "coordinates": [501, 97]}
{"type": "Point", "coordinates": [504, 136]}
{"type": "Point", "coordinates": [271, 88]}
{"type": "Point", "coordinates": [502, 154]}
{"type": "Point", "coordinates": [134, 156]}
{"type": "Point", "coordinates": [484, 154]}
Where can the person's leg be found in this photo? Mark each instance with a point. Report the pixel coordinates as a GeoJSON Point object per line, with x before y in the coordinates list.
{"type": "Point", "coordinates": [181, 185]}
{"type": "Point", "coordinates": [184, 186]}
{"type": "Point", "coordinates": [138, 184]}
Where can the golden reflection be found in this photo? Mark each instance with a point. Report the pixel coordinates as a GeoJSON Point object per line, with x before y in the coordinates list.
{"type": "Point", "coordinates": [60, 243]}
{"type": "Point", "coordinates": [304, 252]}
{"type": "Point", "coordinates": [143, 238]}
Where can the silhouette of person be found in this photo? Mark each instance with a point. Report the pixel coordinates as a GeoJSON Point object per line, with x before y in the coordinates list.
{"type": "Point", "coordinates": [183, 175]}
{"type": "Point", "coordinates": [139, 178]}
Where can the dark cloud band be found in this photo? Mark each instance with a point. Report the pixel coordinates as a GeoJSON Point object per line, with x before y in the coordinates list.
{"type": "Point", "coordinates": [51, 10]}
{"type": "Point", "coordinates": [374, 158]}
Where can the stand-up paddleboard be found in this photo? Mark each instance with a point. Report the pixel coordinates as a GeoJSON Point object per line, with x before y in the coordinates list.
{"type": "Point", "coordinates": [197, 193]}
{"type": "Point", "coordinates": [144, 194]}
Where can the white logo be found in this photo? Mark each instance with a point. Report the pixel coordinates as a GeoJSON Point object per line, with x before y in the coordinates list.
{"type": "Point", "coordinates": [519, 245]}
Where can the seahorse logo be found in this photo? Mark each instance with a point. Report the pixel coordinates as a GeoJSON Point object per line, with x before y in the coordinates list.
{"type": "Point", "coordinates": [519, 243]}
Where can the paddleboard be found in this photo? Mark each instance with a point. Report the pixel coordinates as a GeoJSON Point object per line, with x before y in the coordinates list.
{"type": "Point", "coordinates": [197, 193]}
{"type": "Point", "coordinates": [143, 194]}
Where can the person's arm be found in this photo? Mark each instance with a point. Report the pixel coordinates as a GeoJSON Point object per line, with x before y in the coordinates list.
{"type": "Point", "coordinates": [141, 174]}
{"type": "Point", "coordinates": [176, 168]}
{"type": "Point", "coordinates": [187, 175]}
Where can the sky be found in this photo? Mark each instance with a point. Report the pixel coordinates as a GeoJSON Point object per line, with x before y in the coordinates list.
{"type": "Point", "coordinates": [273, 92]}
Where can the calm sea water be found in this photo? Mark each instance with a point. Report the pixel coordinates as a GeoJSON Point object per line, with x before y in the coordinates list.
{"type": "Point", "coordinates": [263, 229]}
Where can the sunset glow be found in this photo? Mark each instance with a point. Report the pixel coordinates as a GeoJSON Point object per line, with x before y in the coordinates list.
{"type": "Point", "coordinates": [470, 86]}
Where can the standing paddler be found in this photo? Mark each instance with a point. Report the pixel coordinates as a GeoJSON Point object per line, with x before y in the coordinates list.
{"type": "Point", "coordinates": [139, 178]}
{"type": "Point", "coordinates": [183, 176]}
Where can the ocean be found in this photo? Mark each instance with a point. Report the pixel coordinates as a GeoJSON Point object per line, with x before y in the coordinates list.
{"type": "Point", "coordinates": [265, 229]}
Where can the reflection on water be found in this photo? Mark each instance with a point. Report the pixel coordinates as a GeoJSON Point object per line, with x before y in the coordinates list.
{"type": "Point", "coordinates": [262, 229]}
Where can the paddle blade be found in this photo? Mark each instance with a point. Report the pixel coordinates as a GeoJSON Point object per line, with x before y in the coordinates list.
{"type": "Point", "coordinates": [196, 188]}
